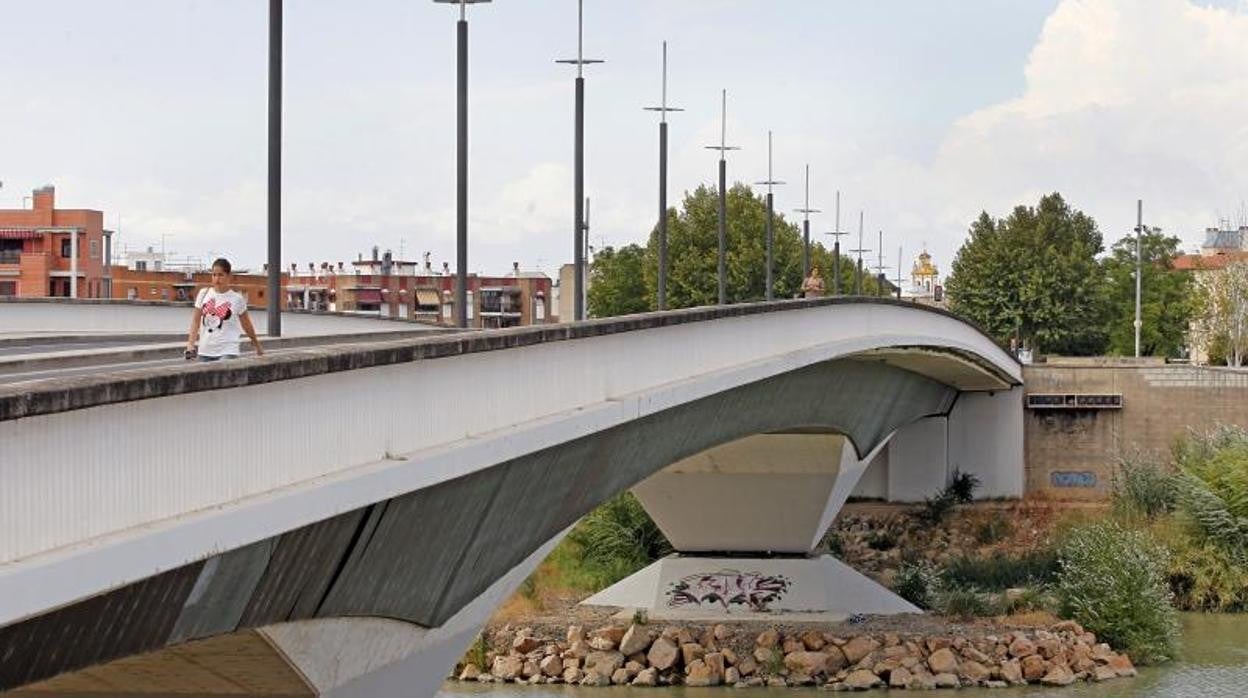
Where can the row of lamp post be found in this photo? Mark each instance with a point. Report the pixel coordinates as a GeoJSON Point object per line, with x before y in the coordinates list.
{"type": "Point", "coordinates": [580, 212]}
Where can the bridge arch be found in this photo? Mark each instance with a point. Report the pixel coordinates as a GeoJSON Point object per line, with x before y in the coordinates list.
{"type": "Point", "coordinates": [421, 510]}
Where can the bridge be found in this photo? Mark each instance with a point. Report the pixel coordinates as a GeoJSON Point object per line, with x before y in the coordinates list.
{"type": "Point", "coordinates": [342, 519]}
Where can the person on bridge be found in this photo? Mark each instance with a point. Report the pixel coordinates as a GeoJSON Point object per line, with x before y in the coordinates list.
{"type": "Point", "coordinates": [812, 287]}
{"type": "Point", "coordinates": [220, 319]}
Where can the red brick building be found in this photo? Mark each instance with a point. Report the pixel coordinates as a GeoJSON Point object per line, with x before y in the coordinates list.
{"type": "Point", "coordinates": [166, 285]}
{"type": "Point", "coordinates": [46, 251]}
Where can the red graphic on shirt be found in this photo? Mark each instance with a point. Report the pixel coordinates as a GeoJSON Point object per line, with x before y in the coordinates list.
{"type": "Point", "coordinates": [216, 315]}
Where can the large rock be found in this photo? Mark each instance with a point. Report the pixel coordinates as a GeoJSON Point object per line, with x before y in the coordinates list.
{"type": "Point", "coordinates": [1034, 667]}
{"type": "Point", "coordinates": [663, 654]}
{"type": "Point", "coordinates": [721, 632]}
{"type": "Point", "coordinates": [637, 639]}
{"type": "Point", "coordinates": [647, 677]}
{"type": "Point", "coordinates": [1067, 626]}
{"type": "Point", "coordinates": [523, 644]}
{"type": "Point", "coordinates": [507, 667]}
{"type": "Point", "coordinates": [768, 638]}
{"type": "Point", "coordinates": [899, 678]}
{"type": "Point", "coordinates": [973, 671]}
{"type": "Point", "coordinates": [862, 679]}
{"type": "Point", "coordinates": [551, 666]}
{"type": "Point", "coordinates": [604, 663]}
{"type": "Point", "coordinates": [836, 658]}
{"type": "Point", "coordinates": [1022, 647]}
{"type": "Point", "coordinates": [813, 640]}
{"type": "Point", "coordinates": [575, 632]}
{"type": "Point", "coordinates": [601, 644]}
{"type": "Point", "coordinates": [806, 663]}
{"type": "Point", "coordinates": [1103, 673]}
{"type": "Point", "coordinates": [1058, 675]}
{"type": "Point", "coordinates": [572, 675]}
{"type": "Point", "coordinates": [691, 651]}
{"type": "Point", "coordinates": [472, 671]}
{"type": "Point", "coordinates": [732, 675]}
{"type": "Point", "coordinates": [792, 644]}
{"type": "Point", "coordinates": [946, 680]}
{"type": "Point", "coordinates": [593, 678]}
{"type": "Point", "coordinates": [858, 648]}
{"type": "Point", "coordinates": [1121, 664]}
{"type": "Point", "coordinates": [943, 661]}
{"type": "Point", "coordinates": [715, 662]}
{"type": "Point", "coordinates": [614, 633]}
{"type": "Point", "coordinates": [747, 666]}
{"type": "Point", "coordinates": [698, 673]}
{"type": "Point", "coordinates": [1012, 671]}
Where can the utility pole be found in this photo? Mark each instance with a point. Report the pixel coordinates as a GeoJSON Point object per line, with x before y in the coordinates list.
{"type": "Point", "coordinates": [1139, 267]}
{"type": "Point", "coordinates": [880, 277]}
{"type": "Point", "coordinates": [770, 182]}
{"type": "Point", "coordinates": [275, 170]}
{"type": "Point", "coordinates": [578, 187]}
{"type": "Point", "coordinates": [723, 149]}
{"type": "Point", "coordinates": [899, 272]}
{"type": "Point", "coordinates": [461, 162]}
{"type": "Point", "coordinates": [836, 248]}
{"type": "Point", "coordinates": [663, 109]}
{"type": "Point", "coordinates": [859, 251]}
{"type": "Point", "coordinates": [806, 210]}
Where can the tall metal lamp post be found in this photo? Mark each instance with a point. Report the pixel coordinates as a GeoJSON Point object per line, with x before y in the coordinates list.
{"type": "Point", "coordinates": [578, 186]}
{"type": "Point", "coordinates": [461, 161]}
{"type": "Point", "coordinates": [770, 182]}
{"type": "Point", "coordinates": [663, 109]}
{"type": "Point", "coordinates": [806, 210]}
{"type": "Point", "coordinates": [859, 251]}
{"type": "Point", "coordinates": [274, 306]}
{"type": "Point", "coordinates": [1139, 265]}
{"type": "Point", "coordinates": [836, 248]}
{"type": "Point", "coordinates": [723, 149]}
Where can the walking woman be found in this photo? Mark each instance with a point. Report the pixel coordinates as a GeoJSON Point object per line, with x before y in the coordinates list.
{"type": "Point", "coordinates": [220, 319]}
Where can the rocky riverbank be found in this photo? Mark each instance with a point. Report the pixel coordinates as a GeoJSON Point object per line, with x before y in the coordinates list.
{"type": "Point", "coordinates": [721, 655]}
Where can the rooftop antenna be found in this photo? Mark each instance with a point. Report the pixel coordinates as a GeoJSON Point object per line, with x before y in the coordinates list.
{"type": "Point", "coordinates": [723, 149]}
{"type": "Point", "coordinates": [770, 182]}
{"type": "Point", "coordinates": [836, 248]}
{"type": "Point", "coordinates": [806, 210]}
{"type": "Point", "coordinates": [663, 109]}
{"type": "Point", "coordinates": [859, 251]}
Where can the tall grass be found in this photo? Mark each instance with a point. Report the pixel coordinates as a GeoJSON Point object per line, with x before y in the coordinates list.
{"type": "Point", "coordinates": [1001, 571]}
{"type": "Point", "coordinates": [1142, 486]}
{"type": "Point", "coordinates": [617, 539]}
{"type": "Point", "coordinates": [1213, 488]}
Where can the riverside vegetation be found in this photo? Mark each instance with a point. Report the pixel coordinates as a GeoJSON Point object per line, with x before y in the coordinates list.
{"type": "Point", "coordinates": [1173, 536]}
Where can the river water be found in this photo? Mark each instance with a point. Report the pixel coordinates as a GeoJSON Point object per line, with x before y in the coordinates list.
{"type": "Point", "coordinates": [1213, 664]}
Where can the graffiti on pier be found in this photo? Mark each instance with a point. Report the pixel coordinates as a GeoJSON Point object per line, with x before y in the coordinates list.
{"type": "Point", "coordinates": [728, 588]}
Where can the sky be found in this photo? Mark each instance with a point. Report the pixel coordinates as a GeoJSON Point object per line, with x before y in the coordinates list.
{"type": "Point", "coordinates": [922, 113]}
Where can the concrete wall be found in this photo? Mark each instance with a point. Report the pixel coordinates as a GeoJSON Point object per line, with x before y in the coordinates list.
{"type": "Point", "coordinates": [1070, 453]}
{"type": "Point", "coordinates": [918, 460]}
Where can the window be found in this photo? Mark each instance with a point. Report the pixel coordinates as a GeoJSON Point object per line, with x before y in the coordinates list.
{"type": "Point", "coordinates": [140, 266]}
{"type": "Point", "coordinates": [95, 249]}
{"type": "Point", "coordinates": [66, 246]}
{"type": "Point", "coordinates": [8, 288]}
{"type": "Point", "coordinates": [132, 293]}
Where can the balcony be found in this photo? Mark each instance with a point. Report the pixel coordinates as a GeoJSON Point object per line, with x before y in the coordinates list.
{"type": "Point", "coordinates": [10, 256]}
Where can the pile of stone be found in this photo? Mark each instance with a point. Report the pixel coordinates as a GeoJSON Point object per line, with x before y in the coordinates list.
{"type": "Point", "coordinates": [643, 655]}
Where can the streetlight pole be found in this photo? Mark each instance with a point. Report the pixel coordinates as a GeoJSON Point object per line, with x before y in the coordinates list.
{"type": "Point", "coordinates": [860, 250]}
{"type": "Point", "coordinates": [770, 182]}
{"type": "Point", "coordinates": [578, 186]}
{"type": "Point", "coordinates": [1139, 258]}
{"type": "Point", "coordinates": [723, 149]}
{"type": "Point", "coordinates": [461, 161]}
{"type": "Point", "coordinates": [836, 248]}
{"type": "Point", "coordinates": [806, 210]}
{"type": "Point", "coordinates": [275, 170]}
{"type": "Point", "coordinates": [663, 109]}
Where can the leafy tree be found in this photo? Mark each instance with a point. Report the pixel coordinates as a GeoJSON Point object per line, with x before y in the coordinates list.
{"type": "Point", "coordinates": [1034, 275]}
{"type": "Point", "coordinates": [617, 283]}
{"type": "Point", "coordinates": [1221, 312]}
{"type": "Point", "coordinates": [1165, 297]}
{"type": "Point", "coordinates": [626, 280]}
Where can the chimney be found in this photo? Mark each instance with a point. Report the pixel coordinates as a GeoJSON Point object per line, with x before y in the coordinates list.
{"type": "Point", "coordinates": [44, 198]}
{"type": "Point", "coordinates": [376, 253]}
{"type": "Point", "coordinates": [340, 265]}
{"type": "Point", "coordinates": [515, 268]}
{"type": "Point", "coordinates": [446, 269]}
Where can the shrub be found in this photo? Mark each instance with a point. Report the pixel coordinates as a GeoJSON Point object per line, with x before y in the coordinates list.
{"type": "Point", "coordinates": [882, 540]}
{"type": "Point", "coordinates": [1000, 571]}
{"type": "Point", "coordinates": [936, 509]}
{"type": "Point", "coordinates": [1202, 576]}
{"type": "Point", "coordinates": [1142, 486]}
{"type": "Point", "coordinates": [918, 583]}
{"type": "Point", "coordinates": [1213, 488]}
{"type": "Point", "coordinates": [962, 602]}
{"type": "Point", "coordinates": [617, 539]}
{"type": "Point", "coordinates": [1113, 582]}
{"type": "Point", "coordinates": [993, 530]}
{"type": "Point", "coordinates": [478, 653]}
{"type": "Point", "coordinates": [962, 486]}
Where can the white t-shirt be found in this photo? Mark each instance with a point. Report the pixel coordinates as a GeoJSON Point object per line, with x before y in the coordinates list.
{"type": "Point", "coordinates": [219, 326]}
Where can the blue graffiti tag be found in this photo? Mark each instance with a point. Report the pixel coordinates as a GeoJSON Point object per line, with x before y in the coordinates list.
{"type": "Point", "coordinates": [1085, 478]}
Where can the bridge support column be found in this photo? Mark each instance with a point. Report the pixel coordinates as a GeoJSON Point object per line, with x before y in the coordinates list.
{"type": "Point", "coordinates": [746, 518]}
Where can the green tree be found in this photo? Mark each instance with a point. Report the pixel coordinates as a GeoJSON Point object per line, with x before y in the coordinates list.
{"type": "Point", "coordinates": [617, 283]}
{"type": "Point", "coordinates": [1165, 297]}
{"type": "Point", "coordinates": [1034, 275]}
{"type": "Point", "coordinates": [630, 284]}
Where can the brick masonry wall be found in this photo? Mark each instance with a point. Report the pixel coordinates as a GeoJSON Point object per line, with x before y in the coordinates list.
{"type": "Point", "coordinates": [1070, 454]}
